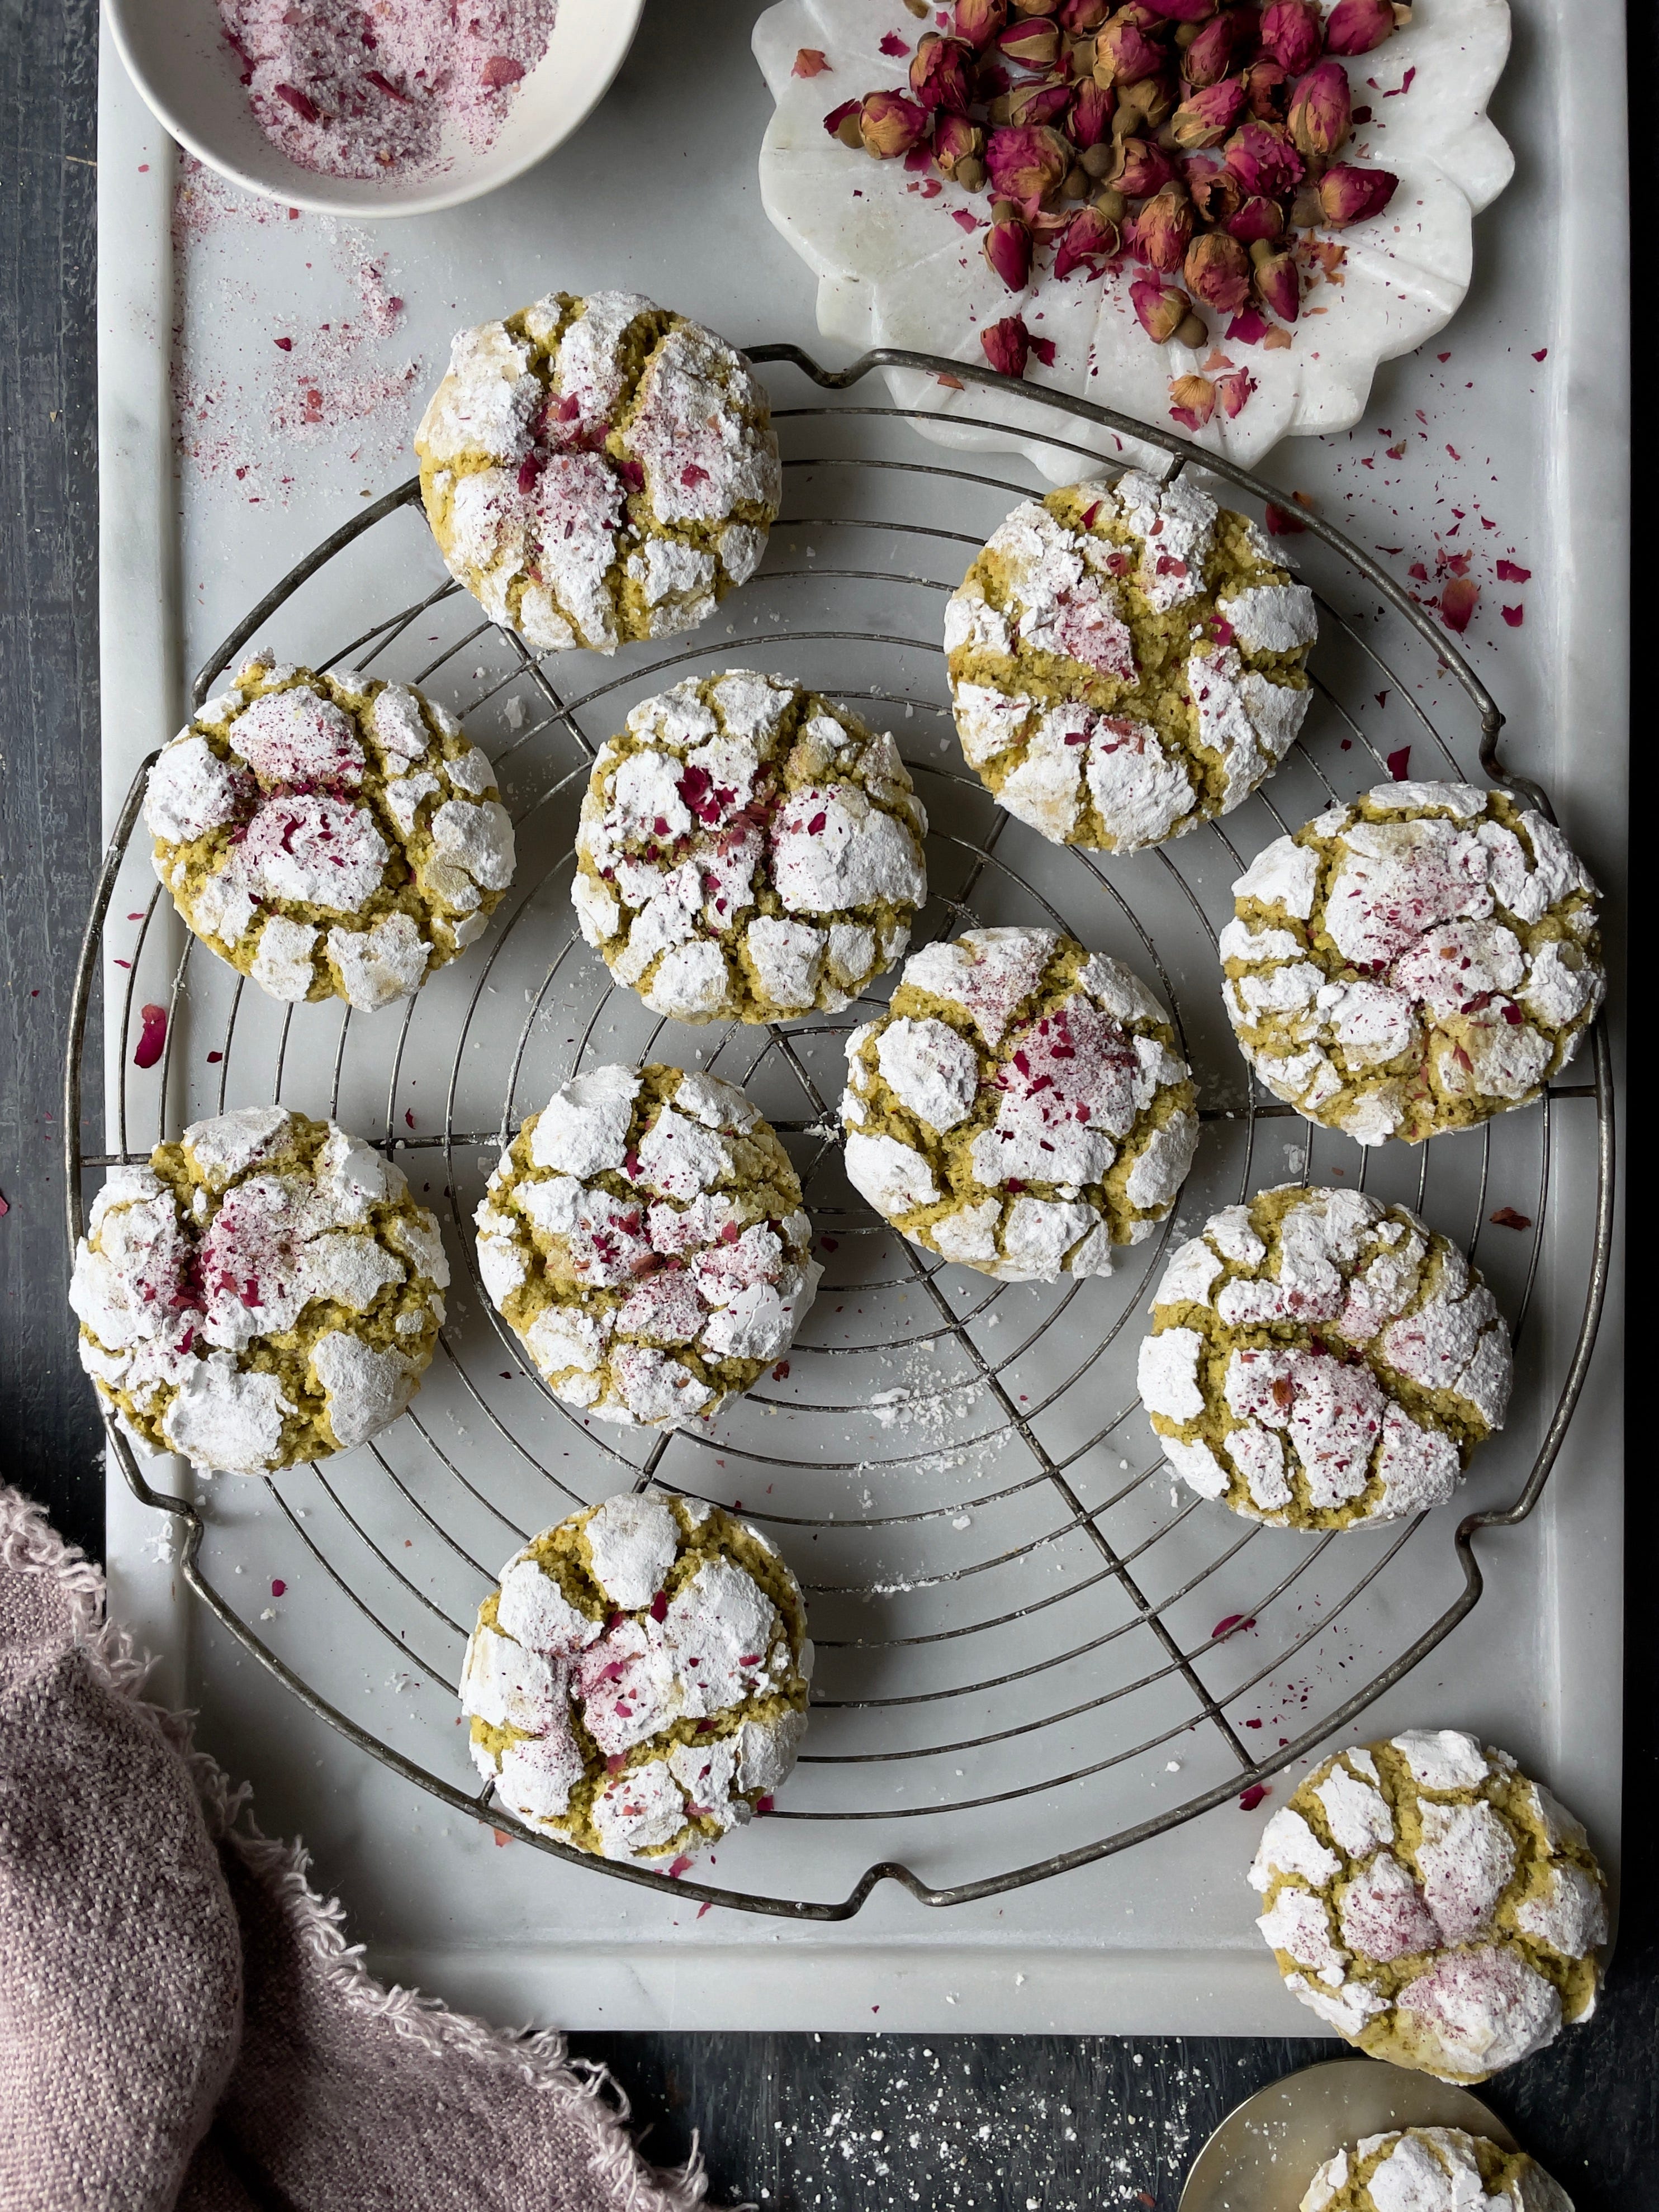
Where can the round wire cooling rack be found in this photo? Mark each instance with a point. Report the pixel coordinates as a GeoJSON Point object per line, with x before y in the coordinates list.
{"type": "Point", "coordinates": [1019, 1615]}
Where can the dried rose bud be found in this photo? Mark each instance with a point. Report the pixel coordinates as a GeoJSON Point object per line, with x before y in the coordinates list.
{"type": "Point", "coordinates": [1307, 212]}
{"type": "Point", "coordinates": [1007, 346]}
{"type": "Point", "coordinates": [1112, 204]}
{"type": "Point", "coordinates": [1292, 33]}
{"type": "Point", "coordinates": [1219, 270]}
{"type": "Point", "coordinates": [1032, 43]}
{"type": "Point", "coordinates": [1256, 218]}
{"type": "Point", "coordinates": [957, 141]}
{"type": "Point", "coordinates": [1151, 98]}
{"type": "Point", "coordinates": [1267, 89]}
{"type": "Point", "coordinates": [1036, 7]}
{"type": "Point", "coordinates": [1141, 17]}
{"type": "Point", "coordinates": [1204, 117]}
{"type": "Point", "coordinates": [1038, 103]}
{"type": "Point", "coordinates": [1089, 237]}
{"type": "Point", "coordinates": [940, 74]}
{"type": "Point", "coordinates": [842, 122]}
{"type": "Point", "coordinates": [1163, 228]}
{"type": "Point", "coordinates": [1215, 189]}
{"type": "Point", "coordinates": [1161, 309]}
{"type": "Point", "coordinates": [1078, 17]}
{"type": "Point", "coordinates": [1210, 56]}
{"type": "Point", "coordinates": [978, 22]}
{"type": "Point", "coordinates": [889, 124]}
{"type": "Point", "coordinates": [1192, 331]}
{"type": "Point", "coordinates": [1356, 26]}
{"type": "Point", "coordinates": [1124, 55]}
{"type": "Point", "coordinates": [1191, 399]}
{"type": "Point", "coordinates": [1092, 115]}
{"type": "Point", "coordinates": [1279, 284]}
{"type": "Point", "coordinates": [1349, 195]}
{"type": "Point", "coordinates": [1027, 165]}
{"type": "Point", "coordinates": [1320, 109]}
{"type": "Point", "coordinates": [1008, 251]}
{"type": "Point", "coordinates": [1146, 168]}
{"type": "Point", "coordinates": [1262, 158]}
{"type": "Point", "coordinates": [1180, 11]}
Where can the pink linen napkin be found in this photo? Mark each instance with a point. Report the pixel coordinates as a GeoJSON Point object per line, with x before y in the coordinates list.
{"type": "Point", "coordinates": [182, 2023]}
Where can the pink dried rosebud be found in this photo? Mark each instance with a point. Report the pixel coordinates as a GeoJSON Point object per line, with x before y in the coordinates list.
{"type": "Point", "coordinates": [1007, 346]}
{"type": "Point", "coordinates": [1089, 236]}
{"type": "Point", "coordinates": [1033, 43]}
{"type": "Point", "coordinates": [1320, 109]}
{"type": "Point", "coordinates": [1163, 229]}
{"type": "Point", "coordinates": [1349, 195]}
{"type": "Point", "coordinates": [1218, 268]}
{"type": "Point", "coordinates": [958, 143]}
{"type": "Point", "coordinates": [1356, 26]}
{"type": "Point", "coordinates": [1145, 169]}
{"type": "Point", "coordinates": [1267, 89]}
{"type": "Point", "coordinates": [1078, 17]}
{"type": "Point", "coordinates": [1039, 103]}
{"type": "Point", "coordinates": [1192, 401]}
{"type": "Point", "coordinates": [1180, 11]}
{"type": "Point", "coordinates": [1210, 56]}
{"type": "Point", "coordinates": [1292, 33]}
{"type": "Point", "coordinates": [1124, 55]}
{"type": "Point", "coordinates": [889, 124]}
{"type": "Point", "coordinates": [1262, 158]}
{"type": "Point", "coordinates": [1092, 115]}
{"type": "Point", "coordinates": [1027, 165]}
{"type": "Point", "coordinates": [1161, 309]}
{"type": "Point", "coordinates": [1279, 284]}
{"type": "Point", "coordinates": [1255, 218]}
{"type": "Point", "coordinates": [1204, 117]}
{"type": "Point", "coordinates": [1036, 7]}
{"type": "Point", "coordinates": [1216, 194]}
{"type": "Point", "coordinates": [940, 74]}
{"type": "Point", "coordinates": [1008, 250]}
{"type": "Point", "coordinates": [978, 22]}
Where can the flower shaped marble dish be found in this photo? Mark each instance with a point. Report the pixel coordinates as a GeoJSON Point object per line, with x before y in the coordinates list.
{"type": "Point", "coordinates": [897, 248]}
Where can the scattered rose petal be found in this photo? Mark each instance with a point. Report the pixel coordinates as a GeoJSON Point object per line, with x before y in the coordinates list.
{"type": "Point", "coordinates": [278, 1586]}
{"type": "Point", "coordinates": [215, 1057]}
{"type": "Point", "coordinates": [679, 1865]}
{"type": "Point", "coordinates": [1457, 603]}
{"type": "Point", "coordinates": [780, 1372]}
{"type": "Point", "coordinates": [1540, 353]}
{"type": "Point", "coordinates": [501, 70]}
{"type": "Point", "coordinates": [148, 1048]}
{"type": "Point", "coordinates": [808, 61]}
{"type": "Point", "coordinates": [1044, 350]}
{"type": "Point", "coordinates": [708, 1905]}
{"type": "Point", "coordinates": [837, 116]}
{"type": "Point", "coordinates": [1278, 341]}
{"type": "Point", "coordinates": [1507, 1218]}
{"type": "Point", "coordinates": [5, 1207]}
{"type": "Point", "coordinates": [1512, 615]}
{"type": "Point", "coordinates": [952, 383]}
{"type": "Point", "coordinates": [502, 1839]}
{"type": "Point", "coordinates": [1400, 763]}
{"type": "Point", "coordinates": [1250, 1798]}
{"type": "Point", "coordinates": [1508, 572]}
{"type": "Point", "coordinates": [963, 220]}
{"type": "Point", "coordinates": [1249, 328]}
{"type": "Point", "coordinates": [1281, 523]}
{"type": "Point", "coordinates": [1235, 1623]}
{"type": "Point", "coordinates": [892, 45]}
{"type": "Point", "coordinates": [285, 345]}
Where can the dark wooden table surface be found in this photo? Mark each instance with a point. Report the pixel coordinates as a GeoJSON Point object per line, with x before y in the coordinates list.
{"type": "Point", "coordinates": [1058, 2123]}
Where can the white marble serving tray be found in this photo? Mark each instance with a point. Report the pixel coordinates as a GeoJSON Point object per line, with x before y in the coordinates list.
{"type": "Point", "coordinates": [1526, 421]}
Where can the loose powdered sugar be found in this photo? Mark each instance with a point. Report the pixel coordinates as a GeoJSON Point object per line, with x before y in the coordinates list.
{"type": "Point", "coordinates": [746, 848]}
{"type": "Point", "coordinates": [1441, 1923]}
{"type": "Point", "coordinates": [1318, 1360]}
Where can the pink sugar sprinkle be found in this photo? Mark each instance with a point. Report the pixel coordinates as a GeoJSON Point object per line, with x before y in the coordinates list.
{"type": "Point", "coordinates": [349, 90]}
{"type": "Point", "coordinates": [147, 1050]}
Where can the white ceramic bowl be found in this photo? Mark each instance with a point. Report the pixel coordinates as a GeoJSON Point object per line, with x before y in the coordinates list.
{"type": "Point", "coordinates": [180, 61]}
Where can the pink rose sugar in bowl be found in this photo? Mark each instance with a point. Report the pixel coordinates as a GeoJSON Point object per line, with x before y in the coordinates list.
{"type": "Point", "coordinates": [367, 108]}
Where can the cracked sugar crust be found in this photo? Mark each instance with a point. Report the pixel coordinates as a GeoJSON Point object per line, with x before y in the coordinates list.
{"type": "Point", "coordinates": [264, 1291]}
{"type": "Point", "coordinates": [596, 470]}
{"type": "Point", "coordinates": [637, 1683]}
{"type": "Point", "coordinates": [1127, 661]}
{"type": "Point", "coordinates": [748, 851]}
{"type": "Point", "coordinates": [644, 1239]}
{"type": "Point", "coordinates": [1318, 1360]}
{"type": "Point", "coordinates": [329, 835]}
{"type": "Point", "coordinates": [1432, 1905]}
{"type": "Point", "coordinates": [1417, 961]}
{"type": "Point", "coordinates": [1021, 1107]}
{"type": "Point", "coordinates": [1432, 2170]}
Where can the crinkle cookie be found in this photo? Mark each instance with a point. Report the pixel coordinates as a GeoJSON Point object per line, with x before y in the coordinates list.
{"type": "Point", "coordinates": [1020, 1107]}
{"type": "Point", "coordinates": [1127, 661]}
{"type": "Point", "coordinates": [329, 836]}
{"type": "Point", "coordinates": [595, 469]}
{"type": "Point", "coordinates": [1417, 961]}
{"type": "Point", "coordinates": [1318, 1360]}
{"type": "Point", "coordinates": [748, 850]}
{"type": "Point", "coordinates": [637, 1683]}
{"type": "Point", "coordinates": [1432, 1905]}
{"type": "Point", "coordinates": [1432, 2170]}
{"type": "Point", "coordinates": [265, 1290]}
{"type": "Point", "coordinates": [644, 1238]}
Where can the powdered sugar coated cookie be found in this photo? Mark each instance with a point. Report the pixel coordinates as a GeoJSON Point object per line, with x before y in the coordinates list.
{"type": "Point", "coordinates": [1432, 2170]}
